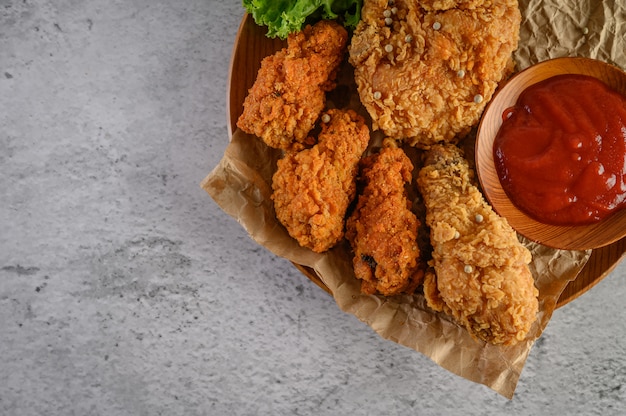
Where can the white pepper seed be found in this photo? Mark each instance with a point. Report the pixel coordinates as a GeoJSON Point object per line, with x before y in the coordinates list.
{"type": "Point", "coordinates": [468, 268]}
{"type": "Point", "coordinates": [479, 218]}
{"type": "Point", "coordinates": [436, 25]}
{"type": "Point", "coordinates": [388, 48]}
{"type": "Point", "coordinates": [325, 118]}
{"type": "Point", "coordinates": [478, 98]}
{"type": "Point", "coordinates": [457, 235]}
{"type": "Point", "coordinates": [388, 21]}
{"type": "Point", "coordinates": [377, 95]}
{"type": "Point", "coordinates": [387, 13]}
{"type": "Point", "coordinates": [460, 73]}
{"type": "Point", "coordinates": [408, 38]}
{"type": "Point", "coordinates": [394, 10]}
{"type": "Point", "coordinates": [585, 30]}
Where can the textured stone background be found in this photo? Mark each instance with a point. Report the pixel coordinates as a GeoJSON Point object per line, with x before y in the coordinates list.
{"type": "Point", "coordinates": [124, 290]}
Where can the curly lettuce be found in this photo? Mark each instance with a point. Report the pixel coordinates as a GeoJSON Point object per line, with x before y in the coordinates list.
{"type": "Point", "coordinates": [283, 17]}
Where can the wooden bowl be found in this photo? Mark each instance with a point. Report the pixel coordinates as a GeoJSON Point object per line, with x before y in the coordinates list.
{"type": "Point", "coordinates": [251, 46]}
{"type": "Point", "coordinates": [584, 237]}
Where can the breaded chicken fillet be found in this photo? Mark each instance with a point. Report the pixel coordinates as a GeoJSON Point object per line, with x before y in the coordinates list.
{"type": "Point", "coordinates": [481, 275]}
{"type": "Point", "coordinates": [313, 187]}
{"type": "Point", "coordinates": [383, 230]}
{"type": "Point", "coordinates": [426, 69]}
{"type": "Point", "coordinates": [288, 94]}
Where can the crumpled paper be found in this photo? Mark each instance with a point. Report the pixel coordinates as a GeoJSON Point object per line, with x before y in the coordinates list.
{"type": "Point", "coordinates": [241, 186]}
{"type": "Point", "coordinates": [557, 28]}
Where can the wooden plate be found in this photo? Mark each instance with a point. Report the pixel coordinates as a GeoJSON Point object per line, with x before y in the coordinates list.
{"type": "Point", "coordinates": [582, 237]}
{"type": "Point", "coordinates": [251, 46]}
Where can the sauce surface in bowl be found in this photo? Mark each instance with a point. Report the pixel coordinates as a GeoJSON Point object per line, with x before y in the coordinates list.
{"type": "Point", "coordinates": [560, 153]}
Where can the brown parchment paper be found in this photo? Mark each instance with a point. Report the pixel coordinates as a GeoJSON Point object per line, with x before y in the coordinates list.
{"type": "Point", "coordinates": [241, 186]}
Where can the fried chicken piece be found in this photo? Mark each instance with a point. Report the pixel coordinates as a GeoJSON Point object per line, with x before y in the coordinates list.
{"type": "Point", "coordinates": [288, 94]}
{"type": "Point", "coordinates": [383, 230]}
{"type": "Point", "coordinates": [426, 73]}
{"type": "Point", "coordinates": [481, 269]}
{"type": "Point", "coordinates": [313, 187]}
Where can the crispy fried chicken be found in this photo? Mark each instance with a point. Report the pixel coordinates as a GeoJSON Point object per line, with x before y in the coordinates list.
{"type": "Point", "coordinates": [383, 230]}
{"type": "Point", "coordinates": [481, 275]}
{"type": "Point", "coordinates": [314, 187]}
{"type": "Point", "coordinates": [289, 92]}
{"type": "Point", "coordinates": [426, 69]}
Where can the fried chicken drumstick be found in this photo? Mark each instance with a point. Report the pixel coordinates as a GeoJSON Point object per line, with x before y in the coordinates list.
{"type": "Point", "coordinates": [289, 92]}
{"type": "Point", "coordinates": [481, 275]}
{"type": "Point", "coordinates": [383, 230]}
{"type": "Point", "coordinates": [314, 187]}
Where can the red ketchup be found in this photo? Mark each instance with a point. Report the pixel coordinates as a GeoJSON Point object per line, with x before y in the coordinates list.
{"type": "Point", "coordinates": [561, 151]}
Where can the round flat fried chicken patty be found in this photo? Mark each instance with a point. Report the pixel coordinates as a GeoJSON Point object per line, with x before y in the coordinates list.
{"type": "Point", "coordinates": [426, 69]}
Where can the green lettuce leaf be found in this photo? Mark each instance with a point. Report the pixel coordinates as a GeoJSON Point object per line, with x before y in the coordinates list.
{"type": "Point", "coordinates": [283, 17]}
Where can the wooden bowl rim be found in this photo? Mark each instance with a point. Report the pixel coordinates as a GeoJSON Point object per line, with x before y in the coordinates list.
{"type": "Point", "coordinates": [584, 237]}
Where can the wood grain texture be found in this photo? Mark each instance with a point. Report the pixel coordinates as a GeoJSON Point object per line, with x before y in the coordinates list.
{"type": "Point", "coordinates": [251, 46]}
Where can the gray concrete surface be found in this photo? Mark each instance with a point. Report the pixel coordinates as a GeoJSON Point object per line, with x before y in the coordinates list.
{"type": "Point", "coordinates": [124, 290]}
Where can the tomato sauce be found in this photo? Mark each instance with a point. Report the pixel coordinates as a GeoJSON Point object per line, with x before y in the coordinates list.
{"type": "Point", "coordinates": [561, 151]}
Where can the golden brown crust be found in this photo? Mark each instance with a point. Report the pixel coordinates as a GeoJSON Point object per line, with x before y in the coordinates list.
{"type": "Point", "coordinates": [383, 230]}
{"type": "Point", "coordinates": [288, 94]}
{"type": "Point", "coordinates": [428, 75]}
{"type": "Point", "coordinates": [313, 187]}
{"type": "Point", "coordinates": [481, 269]}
